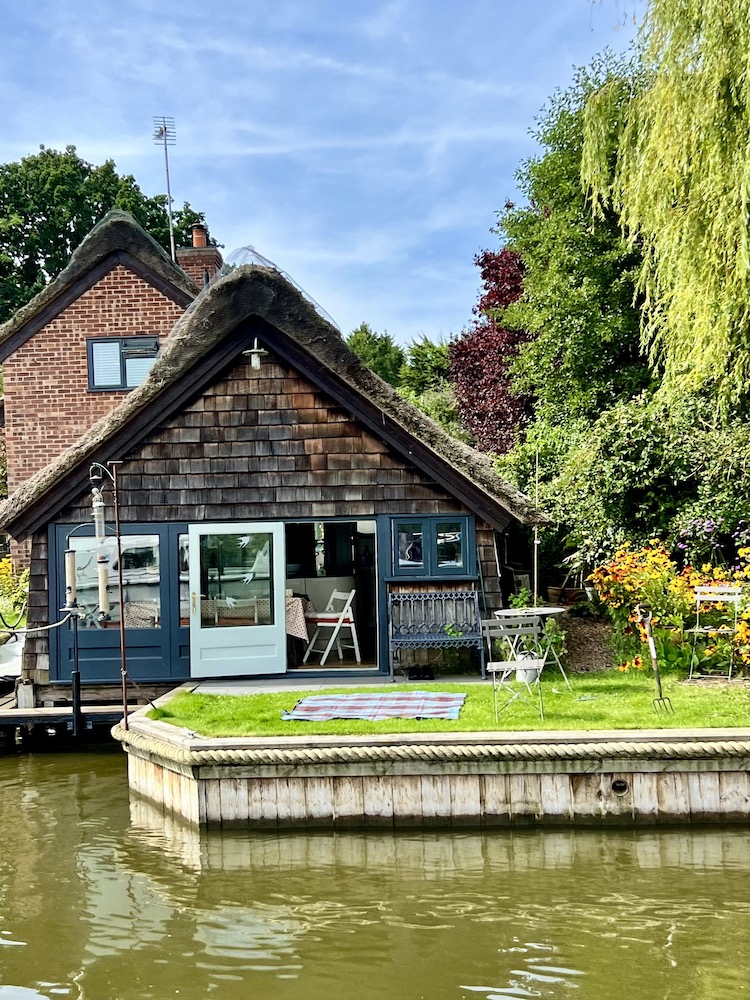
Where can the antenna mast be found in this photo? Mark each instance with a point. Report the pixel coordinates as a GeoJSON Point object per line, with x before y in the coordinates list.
{"type": "Point", "coordinates": [165, 134]}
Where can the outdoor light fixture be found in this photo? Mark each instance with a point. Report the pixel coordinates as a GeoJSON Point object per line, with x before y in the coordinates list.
{"type": "Point", "coordinates": [255, 353]}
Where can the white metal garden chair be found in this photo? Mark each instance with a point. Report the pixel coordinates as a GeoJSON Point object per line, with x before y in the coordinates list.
{"type": "Point", "coordinates": [713, 598]}
{"type": "Point", "coordinates": [519, 673]}
{"type": "Point", "coordinates": [528, 629]}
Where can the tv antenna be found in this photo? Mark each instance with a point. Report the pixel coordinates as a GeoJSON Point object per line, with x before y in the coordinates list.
{"type": "Point", "coordinates": [165, 135]}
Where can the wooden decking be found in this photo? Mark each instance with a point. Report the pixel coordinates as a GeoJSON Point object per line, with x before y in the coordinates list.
{"type": "Point", "coordinates": [60, 714]}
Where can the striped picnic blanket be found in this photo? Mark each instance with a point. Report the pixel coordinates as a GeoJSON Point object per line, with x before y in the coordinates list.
{"type": "Point", "coordinates": [389, 705]}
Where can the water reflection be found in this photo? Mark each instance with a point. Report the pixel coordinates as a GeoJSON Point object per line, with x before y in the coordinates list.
{"type": "Point", "coordinates": [100, 898]}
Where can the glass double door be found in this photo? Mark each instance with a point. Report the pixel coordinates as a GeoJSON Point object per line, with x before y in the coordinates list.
{"type": "Point", "coordinates": [237, 602]}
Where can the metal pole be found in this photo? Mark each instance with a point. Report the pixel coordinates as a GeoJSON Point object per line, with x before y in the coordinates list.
{"type": "Point", "coordinates": [123, 654]}
{"type": "Point", "coordinates": [535, 568]}
{"type": "Point", "coordinates": [169, 201]}
{"type": "Point", "coordinates": [75, 684]}
{"type": "Point", "coordinates": [71, 604]}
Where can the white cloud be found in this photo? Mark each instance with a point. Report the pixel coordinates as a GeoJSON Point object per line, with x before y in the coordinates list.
{"type": "Point", "coordinates": [365, 147]}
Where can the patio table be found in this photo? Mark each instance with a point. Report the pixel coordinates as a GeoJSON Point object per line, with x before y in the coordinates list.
{"type": "Point", "coordinates": [542, 611]}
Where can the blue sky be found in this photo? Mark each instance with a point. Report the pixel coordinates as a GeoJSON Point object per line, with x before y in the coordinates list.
{"type": "Point", "coordinates": [365, 146]}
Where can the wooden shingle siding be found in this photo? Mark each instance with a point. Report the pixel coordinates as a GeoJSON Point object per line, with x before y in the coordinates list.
{"type": "Point", "coordinates": [488, 560]}
{"type": "Point", "coordinates": [36, 647]}
{"type": "Point", "coordinates": [265, 444]}
{"type": "Point", "coordinates": [240, 452]}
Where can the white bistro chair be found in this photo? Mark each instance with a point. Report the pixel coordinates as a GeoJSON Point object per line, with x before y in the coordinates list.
{"type": "Point", "coordinates": [338, 615]}
{"type": "Point", "coordinates": [518, 675]}
{"type": "Point", "coordinates": [527, 624]}
{"type": "Point", "coordinates": [724, 600]}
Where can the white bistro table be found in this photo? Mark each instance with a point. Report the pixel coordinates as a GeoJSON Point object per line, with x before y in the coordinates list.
{"type": "Point", "coordinates": [542, 611]}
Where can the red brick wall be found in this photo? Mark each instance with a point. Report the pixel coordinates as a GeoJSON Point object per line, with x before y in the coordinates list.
{"type": "Point", "coordinates": [47, 402]}
{"type": "Point", "coordinates": [196, 261]}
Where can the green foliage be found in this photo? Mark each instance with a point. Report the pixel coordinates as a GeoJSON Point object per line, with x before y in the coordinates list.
{"type": "Point", "coordinates": [439, 403]}
{"type": "Point", "coordinates": [676, 171]}
{"type": "Point", "coordinates": [50, 201]}
{"type": "Point", "coordinates": [14, 588]}
{"type": "Point", "coordinates": [425, 367]}
{"type": "Point", "coordinates": [378, 351]}
{"type": "Point", "coordinates": [618, 459]}
{"type": "Point", "coordinates": [523, 598]}
{"type": "Point", "coordinates": [578, 299]}
{"type": "Point", "coordinates": [644, 469]}
{"type": "Point", "coordinates": [423, 380]}
{"type": "Point", "coordinates": [419, 373]}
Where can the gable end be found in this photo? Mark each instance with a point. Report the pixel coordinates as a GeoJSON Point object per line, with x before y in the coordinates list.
{"type": "Point", "coordinates": [74, 291]}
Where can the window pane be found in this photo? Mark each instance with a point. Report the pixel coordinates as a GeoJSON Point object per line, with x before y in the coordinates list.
{"type": "Point", "coordinates": [409, 545]}
{"type": "Point", "coordinates": [449, 544]}
{"type": "Point", "coordinates": [105, 358]}
{"type": "Point", "coordinates": [136, 370]}
{"type": "Point", "coordinates": [183, 543]}
{"type": "Point", "coordinates": [236, 580]}
{"type": "Point", "coordinates": [141, 578]}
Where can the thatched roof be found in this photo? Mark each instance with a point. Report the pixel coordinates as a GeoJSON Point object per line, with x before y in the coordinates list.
{"type": "Point", "coordinates": [118, 237]}
{"type": "Point", "coordinates": [291, 328]}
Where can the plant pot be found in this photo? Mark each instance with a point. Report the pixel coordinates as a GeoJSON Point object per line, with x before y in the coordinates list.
{"type": "Point", "coordinates": [529, 672]}
{"type": "Point", "coordinates": [565, 595]}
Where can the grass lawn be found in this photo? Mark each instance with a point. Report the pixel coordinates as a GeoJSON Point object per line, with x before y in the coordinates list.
{"type": "Point", "coordinates": [607, 700]}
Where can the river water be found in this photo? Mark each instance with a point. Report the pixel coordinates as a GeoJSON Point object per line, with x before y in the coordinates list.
{"type": "Point", "coordinates": [100, 899]}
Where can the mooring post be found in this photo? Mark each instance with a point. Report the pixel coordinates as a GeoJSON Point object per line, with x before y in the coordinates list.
{"type": "Point", "coordinates": [75, 684]}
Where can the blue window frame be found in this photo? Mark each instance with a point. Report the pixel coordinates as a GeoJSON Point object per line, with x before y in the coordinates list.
{"type": "Point", "coordinates": [120, 362]}
{"type": "Point", "coordinates": [157, 640]}
{"type": "Point", "coordinates": [433, 547]}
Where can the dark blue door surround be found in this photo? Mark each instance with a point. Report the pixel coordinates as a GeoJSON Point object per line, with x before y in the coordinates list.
{"type": "Point", "coordinates": [163, 654]}
{"type": "Point", "coordinates": [153, 654]}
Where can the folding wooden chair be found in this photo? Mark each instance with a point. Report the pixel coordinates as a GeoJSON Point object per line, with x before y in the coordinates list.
{"type": "Point", "coordinates": [335, 619]}
{"type": "Point", "coordinates": [520, 671]}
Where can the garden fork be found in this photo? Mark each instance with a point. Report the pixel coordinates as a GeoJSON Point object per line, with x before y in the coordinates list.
{"type": "Point", "coordinates": [661, 704]}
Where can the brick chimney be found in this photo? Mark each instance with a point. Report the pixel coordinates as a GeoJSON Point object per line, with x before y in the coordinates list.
{"type": "Point", "coordinates": [200, 261]}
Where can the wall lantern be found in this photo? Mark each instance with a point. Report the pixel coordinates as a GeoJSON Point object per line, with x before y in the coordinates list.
{"type": "Point", "coordinates": [256, 353]}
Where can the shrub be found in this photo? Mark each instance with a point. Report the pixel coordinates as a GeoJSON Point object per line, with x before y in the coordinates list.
{"type": "Point", "coordinates": [648, 577]}
{"type": "Point", "coordinates": [14, 588]}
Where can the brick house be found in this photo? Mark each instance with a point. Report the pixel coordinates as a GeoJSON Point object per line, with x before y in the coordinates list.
{"type": "Point", "coordinates": [260, 462]}
{"type": "Point", "coordinates": [62, 353]}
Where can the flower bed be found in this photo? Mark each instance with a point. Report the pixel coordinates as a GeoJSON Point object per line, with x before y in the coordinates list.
{"type": "Point", "coordinates": [649, 577]}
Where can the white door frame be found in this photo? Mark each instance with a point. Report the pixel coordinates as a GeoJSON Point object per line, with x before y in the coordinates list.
{"type": "Point", "coordinates": [239, 649]}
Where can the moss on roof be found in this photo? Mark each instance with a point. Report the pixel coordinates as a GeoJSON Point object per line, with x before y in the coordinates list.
{"type": "Point", "coordinates": [253, 291]}
{"type": "Point", "coordinates": [116, 231]}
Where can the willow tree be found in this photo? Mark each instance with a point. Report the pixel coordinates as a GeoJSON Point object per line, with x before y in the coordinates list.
{"type": "Point", "coordinates": [677, 170]}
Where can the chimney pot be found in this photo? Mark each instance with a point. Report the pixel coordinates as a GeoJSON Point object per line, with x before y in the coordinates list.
{"type": "Point", "coordinates": [200, 236]}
